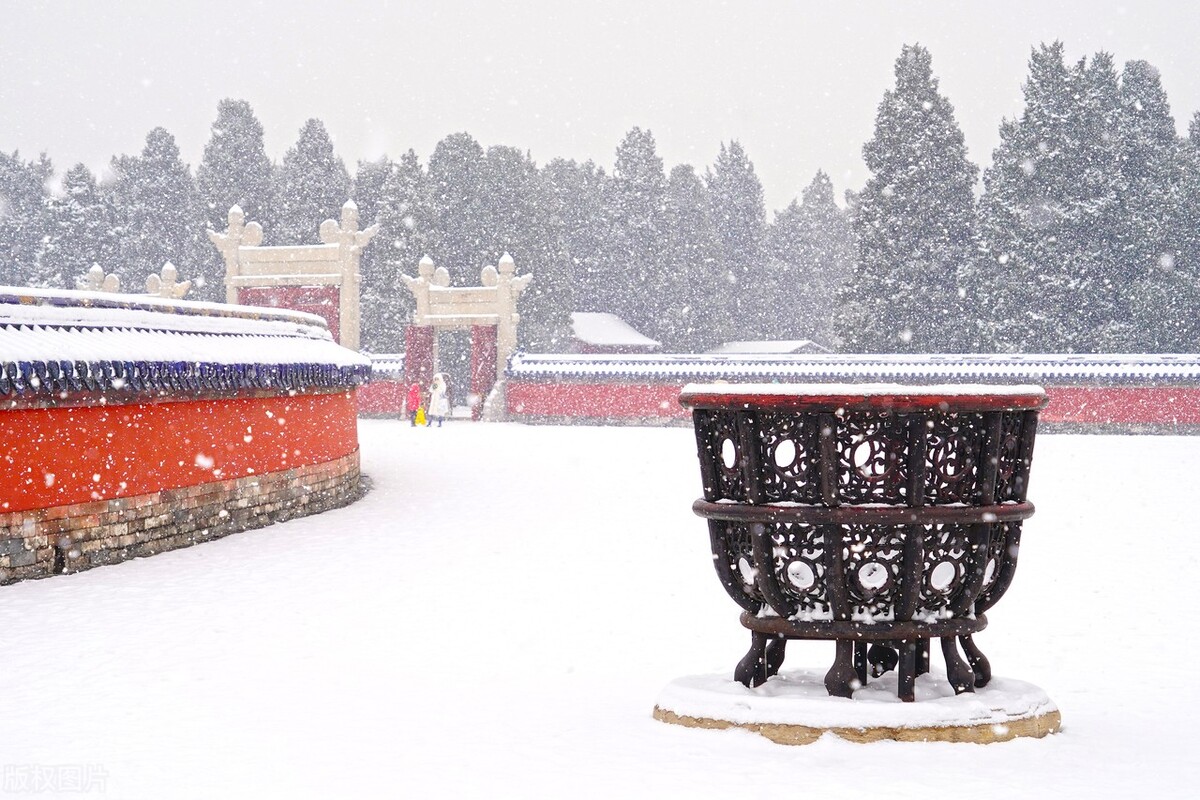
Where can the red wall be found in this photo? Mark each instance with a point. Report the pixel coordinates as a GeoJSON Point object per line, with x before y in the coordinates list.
{"type": "Point", "coordinates": [594, 400]}
{"type": "Point", "coordinates": [382, 396]}
{"type": "Point", "coordinates": [319, 300]}
{"type": "Point", "coordinates": [61, 456]}
{"type": "Point", "coordinates": [1125, 404]}
{"type": "Point", "coordinates": [1070, 404]}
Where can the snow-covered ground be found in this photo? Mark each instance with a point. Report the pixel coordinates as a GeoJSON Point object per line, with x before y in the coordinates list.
{"type": "Point", "coordinates": [497, 617]}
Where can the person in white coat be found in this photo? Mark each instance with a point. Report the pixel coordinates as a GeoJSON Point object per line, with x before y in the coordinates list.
{"type": "Point", "coordinates": [439, 400]}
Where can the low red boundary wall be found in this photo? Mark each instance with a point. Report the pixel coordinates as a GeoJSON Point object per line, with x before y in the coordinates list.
{"type": "Point", "coordinates": [66, 455]}
{"type": "Point", "coordinates": [595, 400]}
{"type": "Point", "coordinates": [381, 397]}
{"type": "Point", "coordinates": [68, 538]}
{"type": "Point", "coordinates": [1069, 405]}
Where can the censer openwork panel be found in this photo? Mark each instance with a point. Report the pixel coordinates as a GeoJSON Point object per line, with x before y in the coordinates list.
{"type": "Point", "coordinates": [1001, 564]}
{"type": "Point", "coordinates": [873, 559]}
{"type": "Point", "coordinates": [944, 567]}
{"type": "Point", "coordinates": [799, 557]}
{"type": "Point", "coordinates": [954, 443]}
{"type": "Point", "coordinates": [1012, 477]}
{"type": "Point", "coordinates": [872, 458]}
{"type": "Point", "coordinates": [788, 447]}
{"type": "Point", "coordinates": [717, 432]}
{"type": "Point", "coordinates": [734, 552]}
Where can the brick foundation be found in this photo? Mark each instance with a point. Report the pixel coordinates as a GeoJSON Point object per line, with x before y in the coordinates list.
{"type": "Point", "coordinates": [60, 539]}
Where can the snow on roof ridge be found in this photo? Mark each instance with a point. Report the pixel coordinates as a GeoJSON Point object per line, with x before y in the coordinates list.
{"type": "Point", "coordinates": [16, 296]}
{"type": "Point", "coordinates": [604, 328]}
{"type": "Point", "coordinates": [861, 366]}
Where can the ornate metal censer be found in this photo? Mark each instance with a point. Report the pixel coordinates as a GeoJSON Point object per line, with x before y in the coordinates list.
{"type": "Point", "coordinates": [881, 517]}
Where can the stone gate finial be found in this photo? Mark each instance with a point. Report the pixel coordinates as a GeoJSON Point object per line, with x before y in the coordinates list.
{"type": "Point", "coordinates": [97, 281]}
{"type": "Point", "coordinates": [166, 284]}
{"type": "Point", "coordinates": [238, 233]}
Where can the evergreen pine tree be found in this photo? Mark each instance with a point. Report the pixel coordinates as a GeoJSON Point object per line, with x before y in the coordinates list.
{"type": "Point", "coordinates": [235, 170]}
{"type": "Point", "coordinates": [739, 214]}
{"type": "Point", "coordinates": [1051, 211]}
{"type": "Point", "coordinates": [577, 195]}
{"type": "Point", "coordinates": [698, 314]}
{"type": "Point", "coordinates": [455, 180]}
{"type": "Point", "coordinates": [635, 245]}
{"type": "Point", "coordinates": [1188, 263]}
{"type": "Point", "coordinates": [403, 239]}
{"type": "Point", "coordinates": [1104, 266]}
{"type": "Point", "coordinates": [24, 205]}
{"type": "Point", "coordinates": [1160, 299]}
{"type": "Point", "coordinates": [310, 187]}
{"type": "Point", "coordinates": [915, 223]}
{"type": "Point", "coordinates": [158, 213]}
{"type": "Point", "coordinates": [378, 277]}
{"type": "Point", "coordinates": [369, 181]}
{"type": "Point", "coordinates": [813, 239]}
{"type": "Point", "coordinates": [518, 214]}
{"type": "Point", "coordinates": [81, 232]}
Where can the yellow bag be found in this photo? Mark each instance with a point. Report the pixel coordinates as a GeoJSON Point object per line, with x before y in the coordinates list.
{"type": "Point", "coordinates": [421, 416]}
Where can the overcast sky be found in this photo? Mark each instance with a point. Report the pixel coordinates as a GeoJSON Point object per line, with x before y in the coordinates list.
{"type": "Point", "coordinates": [798, 83]}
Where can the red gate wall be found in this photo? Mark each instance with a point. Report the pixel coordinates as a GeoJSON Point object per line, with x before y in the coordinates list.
{"type": "Point", "coordinates": [319, 300]}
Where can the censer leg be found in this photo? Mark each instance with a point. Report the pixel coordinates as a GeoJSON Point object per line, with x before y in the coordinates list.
{"type": "Point", "coordinates": [842, 680]}
{"type": "Point", "coordinates": [961, 677]}
{"type": "Point", "coordinates": [978, 661]}
{"type": "Point", "coordinates": [751, 671]}
{"type": "Point", "coordinates": [775, 653]}
{"type": "Point", "coordinates": [906, 675]}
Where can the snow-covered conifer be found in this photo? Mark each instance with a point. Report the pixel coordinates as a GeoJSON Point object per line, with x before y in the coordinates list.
{"type": "Point", "coordinates": [234, 170]}
{"type": "Point", "coordinates": [23, 216]}
{"type": "Point", "coordinates": [739, 216]}
{"type": "Point", "coordinates": [518, 212]}
{"type": "Point", "coordinates": [813, 240]}
{"type": "Point", "coordinates": [1052, 211]}
{"type": "Point", "coordinates": [915, 223]}
{"type": "Point", "coordinates": [157, 213]}
{"type": "Point", "coordinates": [80, 233]}
{"type": "Point", "coordinates": [310, 187]}
{"type": "Point", "coordinates": [1160, 299]}
{"type": "Point", "coordinates": [577, 194]}
{"type": "Point", "coordinates": [455, 179]}
{"type": "Point", "coordinates": [698, 312]}
{"type": "Point", "coordinates": [379, 329]}
{"type": "Point", "coordinates": [635, 208]}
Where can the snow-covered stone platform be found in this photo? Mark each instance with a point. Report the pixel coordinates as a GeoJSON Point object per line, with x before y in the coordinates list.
{"type": "Point", "coordinates": [794, 708]}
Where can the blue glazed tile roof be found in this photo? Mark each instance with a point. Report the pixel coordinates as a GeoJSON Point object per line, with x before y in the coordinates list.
{"type": "Point", "coordinates": [61, 341]}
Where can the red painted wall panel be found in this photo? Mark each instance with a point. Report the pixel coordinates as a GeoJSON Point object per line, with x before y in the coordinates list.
{"type": "Point", "coordinates": [1123, 404]}
{"type": "Point", "coordinates": [1085, 405]}
{"type": "Point", "coordinates": [382, 397]}
{"type": "Point", "coordinates": [594, 400]}
{"type": "Point", "coordinates": [61, 456]}
{"type": "Point", "coordinates": [319, 300]}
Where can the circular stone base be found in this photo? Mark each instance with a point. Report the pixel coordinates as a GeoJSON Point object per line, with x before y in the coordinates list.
{"type": "Point", "coordinates": [794, 708]}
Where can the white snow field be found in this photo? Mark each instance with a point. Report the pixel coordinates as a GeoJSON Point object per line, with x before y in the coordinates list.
{"type": "Point", "coordinates": [497, 617]}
